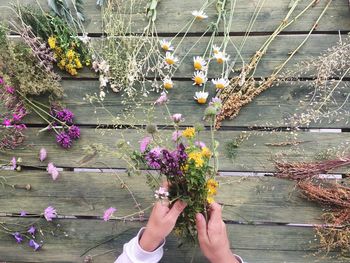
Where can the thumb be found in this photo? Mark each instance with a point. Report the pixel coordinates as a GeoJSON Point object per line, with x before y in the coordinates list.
{"type": "Point", "coordinates": [176, 210]}
{"type": "Point", "coordinates": [201, 228]}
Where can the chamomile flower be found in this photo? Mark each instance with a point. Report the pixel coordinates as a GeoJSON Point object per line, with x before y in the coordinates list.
{"type": "Point", "coordinates": [220, 83]}
{"type": "Point", "coordinates": [201, 97]}
{"type": "Point", "coordinates": [216, 49]}
{"type": "Point", "coordinates": [166, 45]}
{"type": "Point", "coordinates": [170, 59]}
{"type": "Point", "coordinates": [199, 15]}
{"type": "Point", "coordinates": [199, 63]}
{"type": "Point", "coordinates": [199, 78]}
{"type": "Point", "coordinates": [168, 83]}
{"type": "Point", "coordinates": [221, 57]}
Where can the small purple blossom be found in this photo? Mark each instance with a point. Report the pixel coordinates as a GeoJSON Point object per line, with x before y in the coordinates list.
{"type": "Point", "coordinates": [144, 144]}
{"type": "Point", "coordinates": [153, 158]}
{"type": "Point", "coordinates": [34, 245]}
{"type": "Point", "coordinates": [10, 90]}
{"type": "Point", "coordinates": [64, 140]}
{"type": "Point", "coordinates": [16, 117]}
{"type": "Point", "coordinates": [162, 99]}
{"type": "Point", "coordinates": [42, 154]}
{"type": "Point", "coordinates": [20, 127]}
{"type": "Point", "coordinates": [108, 213]}
{"type": "Point", "coordinates": [74, 132]}
{"type": "Point", "coordinates": [1, 81]}
{"type": "Point", "coordinates": [53, 171]}
{"type": "Point", "coordinates": [177, 117]}
{"type": "Point", "coordinates": [22, 213]}
{"type": "Point", "coordinates": [18, 237]}
{"type": "Point", "coordinates": [200, 144]}
{"type": "Point", "coordinates": [176, 135]}
{"type": "Point", "coordinates": [6, 122]}
{"type": "Point", "coordinates": [65, 115]}
{"type": "Point", "coordinates": [32, 230]}
{"type": "Point", "coordinates": [14, 163]}
{"type": "Point", "coordinates": [50, 213]}
{"type": "Point", "coordinates": [216, 102]}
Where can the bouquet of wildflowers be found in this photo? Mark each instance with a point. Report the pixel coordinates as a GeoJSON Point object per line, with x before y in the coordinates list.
{"type": "Point", "coordinates": [188, 165]}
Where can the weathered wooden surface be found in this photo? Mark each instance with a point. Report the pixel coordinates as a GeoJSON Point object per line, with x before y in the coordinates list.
{"type": "Point", "coordinates": [254, 206]}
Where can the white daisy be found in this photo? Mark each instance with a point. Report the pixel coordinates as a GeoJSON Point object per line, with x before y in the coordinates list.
{"type": "Point", "coordinates": [216, 49]}
{"type": "Point", "coordinates": [201, 97]}
{"type": "Point", "coordinates": [199, 78]}
{"type": "Point", "coordinates": [168, 83]}
{"type": "Point", "coordinates": [199, 63]}
{"type": "Point", "coordinates": [170, 59]}
{"type": "Point", "coordinates": [221, 57]}
{"type": "Point", "coordinates": [166, 45]}
{"type": "Point", "coordinates": [199, 15]}
{"type": "Point", "coordinates": [220, 83]}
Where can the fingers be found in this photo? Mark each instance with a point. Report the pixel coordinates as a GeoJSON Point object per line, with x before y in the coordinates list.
{"type": "Point", "coordinates": [201, 228]}
{"type": "Point", "coordinates": [215, 213]}
{"type": "Point", "coordinates": [176, 210]}
{"type": "Point", "coordinates": [165, 185]}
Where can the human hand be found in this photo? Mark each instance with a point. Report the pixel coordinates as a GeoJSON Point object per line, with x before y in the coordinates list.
{"type": "Point", "coordinates": [160, 223]}
{"type": "Point", "coordinates": [213, 238]}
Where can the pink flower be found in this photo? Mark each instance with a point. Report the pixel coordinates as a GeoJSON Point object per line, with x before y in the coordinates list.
{"type": "Point", "coordinates": [50, 213]}
{"type": "Point", "coordinates": [162, 99]}
{"type": "Point", "coordinates": [42, 154]}
{"type": "Point", "coordinates": [108, 213]}
{"type": "Point", "coordinates": [53, 171]}
{"type": "Point", "coordinates": [1, 81]}
{"type": "Point", "coordinates": [200, 144]}
{"type": "Point", "coordinates": [177, 117]}
{"type": "Point", "coordinates": [176, 135]}
{"type": "Point", "coordinates": [10, 90]}
{"type": "Point", "coordinates": [14, 163]}
{"type": "Point", "coordinates": [144, 144]}
{"type": "Point", "coordinates": [6, 122]}
{"type": "Point", "coordinates": [16, 117]}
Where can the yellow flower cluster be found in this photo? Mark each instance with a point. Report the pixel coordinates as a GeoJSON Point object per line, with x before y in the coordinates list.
{"type": "Point", "coordinates": [68, 60]}
{"type": "Point", "coordinates": [189, 132]}
{"type": "Point", "coordinates": [212, 186]}
{"type": "Point", "coordinates": [206, 152]}
{"type": "Point", "coordinates": [197, 157]}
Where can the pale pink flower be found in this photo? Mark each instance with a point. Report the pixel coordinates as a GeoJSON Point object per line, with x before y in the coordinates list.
{"type": "Point", "coordinates": [144, 144]}
{"type": "Point", "coordinates": [42, 154]}
{"type": "Point", "coordinates": [53, 171]}
{"type": "Point", "coordinates": [162, 99]}
{"type": "Point", "coordinates": [176, 135]}
{"type": "Point", "coordinates": [50, 213]}
{"type": "Point", "coordinates": [14, 163]}
{"type": "Point", "coordinates": [177, 117]}
{"type": "Point", "coordinates": [108, 213]}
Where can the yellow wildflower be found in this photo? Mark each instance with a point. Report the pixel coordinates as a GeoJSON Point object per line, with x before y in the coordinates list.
{"type": "Point", "coordinates": [70, 54]}
{"type": "Point", "coordinates": [73, 72]}
{"type": "Point", "coordinates": [206, 152]}
{"type": "Point", "coordinates": [62, 63]}
{"type": "Point", "coordinates": [212, 186]}
{"type": "Point", "coordinates": [189, 132]}
{"type": "Point", "coordinates": [88, 62]}
{"type": "Point", "coordinates": [52, 42]}
{"type": "Point", "coordinates": [210, 199]}
{"type": "Point", "coordinates": [78, 63]}
{"type": "Point", "coordinates": [197, 158]}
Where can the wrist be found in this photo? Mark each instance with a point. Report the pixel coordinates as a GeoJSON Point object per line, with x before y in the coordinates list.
{"type": "Point", "coordinates": [150, 242]}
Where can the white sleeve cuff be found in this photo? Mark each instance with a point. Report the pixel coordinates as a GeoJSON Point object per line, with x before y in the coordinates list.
{"type": "Point", "coordinates": [137, 255]}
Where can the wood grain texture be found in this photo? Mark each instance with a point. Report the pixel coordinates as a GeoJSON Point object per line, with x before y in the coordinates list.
{"type": "Point", "coordinates": [254, 154]}
{"type": "Point", "coordinates": [273, 108]}
{"type": "Point", "coordinates": [245, 199]}
{"type": "Point", "coordinates": [256, 244]}
{"type": "Point", "coordinates": [171, 17]}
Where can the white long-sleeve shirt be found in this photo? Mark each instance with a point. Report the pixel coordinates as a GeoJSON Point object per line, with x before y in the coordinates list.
{"type": "Point", "coordinates": [133, 253]}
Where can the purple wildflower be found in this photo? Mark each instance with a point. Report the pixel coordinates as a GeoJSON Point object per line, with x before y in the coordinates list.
{"type": "Point", "coordinates": [74, 132]}
{"type": "Point", "coordinates": [144, 144]}
{"type": "Point", "coordinates": [64, 140]}
{"type": "Point", "coordinates": [108, 213]}
{"type": "Point", "coordinates": [216, 102]}
{"type": "Point", "coordinates": [32, 230]}
{"type": "Point", "coordinates": [18, 237]}
{"type": "Point", "coordinates": [14, 163]}
{"type": "Point", "coordinates": [177, 117]}
{"type": "Point", "coordinates": [23, 213]}
{"type": "Point", "coordinates": [34, 245]}
{"type": "Point", "coordinates": [65, 115]}
{"type": "Point", "coordinates": [42, 154]}
{"type": "Point", "coordinates": [200, 144]}
{"type": "Point", "coordinates": [53, 171]}
{"type": "Point", "coordinates": [16, 117]}
{"type": "Point", "coordinates": [181, 154]}
{"type": "Point", "coordinates": [10, 90]}
{"type": "Point", "coordinates": [20, 127]}
{"type": "Point", "coordinates": [6, 122]}
{"type": "Point", "coordinates": [153, 158]}
{"type": "Point", "coordinates": [176, 135]}
{"type": "Point", "coordinates": [49, 213]}
{"type": "Point", "coordinates": [162, 99]}
{"type": "Point", "coordinates": [1, 81]}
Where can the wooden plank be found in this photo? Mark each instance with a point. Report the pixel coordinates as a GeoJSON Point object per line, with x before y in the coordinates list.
{"type": "Point", "coordinates": [254, 154]}
{"type": "Point", "coordinates": [272, 108]}
{"type": "Point", "coordinates": [171, 17]}
{"type": "Point", "coordinates": [253, 243]}
{"type": "Point", "coordinates": [245, 199]}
